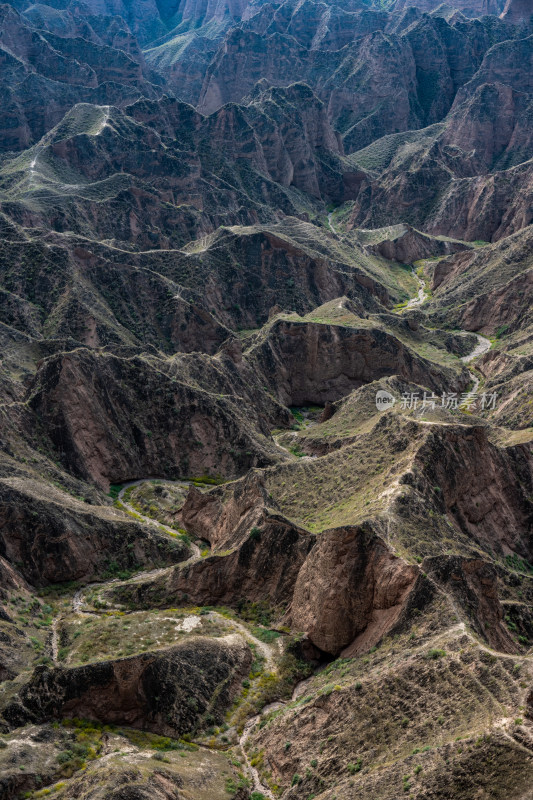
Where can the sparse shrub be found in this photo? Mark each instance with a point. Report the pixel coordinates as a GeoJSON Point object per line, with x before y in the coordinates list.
{"type": "Point", "coordinates": [353, 768]}
{"type": "Point", "coordinates": [435, 654]}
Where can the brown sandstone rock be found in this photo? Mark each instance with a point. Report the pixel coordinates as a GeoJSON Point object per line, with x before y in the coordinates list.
{"type": "Point", "coordinates": [166, 692]}
{"type": "Point", "coordinates": [317, 363]}
{"type": "Point", "coordinates": [473, 584]}
{"type": "Point", "coordinates": [405, 244]}
{"type": "Point", "coordinates": [516, 11]}
{"type": "Point", "coordinates": [352, 591]}
{"type": "Point", "coordinates": [47, 536]}
{"type": "Point", "coordinates": [116, 418]}
{"type": "Point", "coordinates": [225, 516]}
{"type": "Point", "coordinates": [485, 490]}
{"type": "Point", "coordinates": [263, 568]}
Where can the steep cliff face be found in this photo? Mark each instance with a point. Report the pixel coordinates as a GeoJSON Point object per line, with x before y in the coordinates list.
{"type": "Point", "coordinates": [483, 289]}
{"type": "Point", "coordinates": [197, 12]}
{"type": "Point", "coordinates": [471, 8]}
{"type": "Point", "coordinates": [216, 220]}
{"type": "Point", "coordinates": [478, 159]}
{"type": "Point", "coordinates": [491, 505]}
{"type": "Point", "coordinates": [473, 584]}
{"type": "Point", "coordinates": [95, 293]}
{"type": "Point", "coordinates": [47, 71]}
{"type": "Point", "coordinates": [405, 244]}
{"type": "Point", "coordinates": [256, 555]}
{"type": "Point", "coordinates": [517, 11]}
{"type": "Point", "coordinates": [385, 72]}
{"type": "Point", "coordinates": [165, 187]}
{"type": "Point", "coordinates": [352, 591]}
{"type": "Point", "coordinates": [224, 517]}
{"type": "Point", "coordinates": [152, 691]}
{"type": "Point", "coordinates": [344, 589]}
{"type": "Point", "coordinates": [262, 569]}
{"type": "Point", "coordinates": [143, 18]}
{"type": "Point", "coordinates": [120, 418]}
{"type": "Point", "coordinates": [314, 363]}
{"type": "Point", "coordinates": [50, 537]}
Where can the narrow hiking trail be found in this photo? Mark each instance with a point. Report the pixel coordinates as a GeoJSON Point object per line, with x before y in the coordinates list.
{"type": "Point", "coordinates": [55, 639]}
{"type": "Point", "coordinates": [267, 651]}
{"type": "Point", "coordinates": [253, 774]}
{"type": "Point", "coordinates": [421, 295]}
{"type": "Point", "coordinates": [78, 598]}
{"type": "Point", "coordinates": [482, 346]}
{"type": "Point", "coordinates": [257, 785]}
{"type": "Point", "coordinates": [196, 552]}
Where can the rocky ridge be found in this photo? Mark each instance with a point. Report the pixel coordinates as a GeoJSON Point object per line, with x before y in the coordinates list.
{"type": "Point", "coordinates": [262, 267]}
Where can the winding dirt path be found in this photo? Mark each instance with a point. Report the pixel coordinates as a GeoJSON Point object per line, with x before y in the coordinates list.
{"type": "Point", "coordinates": [421, 296]}
{"type": "Point", "coordinates": [252, 772]}
{"type": "Point", "coordinates": [266, 650]}
{"type": "Point", "coordinates": [196, 552]}
{"type": "Point", "coordinates": [55, 639]}
{"type": "Point", "coordinates": [482, 346]}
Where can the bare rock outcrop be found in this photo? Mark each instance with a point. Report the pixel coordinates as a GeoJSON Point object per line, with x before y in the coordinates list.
{"type": "Point", "coordinates": [344, 589]}
{"type": "Point", "coordinates": [225, 516]}
{"type": "Point", "coordinates": [46, 72]}
{"type": "Point", "coordinates": [309, 362]}
{"type": "Point", "coordinates": [517, 11]}
{"type": "Point", "coordinates": [352, 591]}
{"type": "Point", "coordinates": [405, 244]}
{"type": "Point", "coordinates": [487, 288]}
{"type": "Point", "coordinates": [165, 692]}
{"type": "Point", "coordinates": [115, 418]}
{"type": "Point", "coordinates": [473, 584]}
{"type": "Point", "coordinates": [47, 536]}
{"type": "Point", "coordinates": [484, 489]}
{"type": "Point", "coordinates": [262, 568]}
{"type": "Point", "coordinates": [471, 8]}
